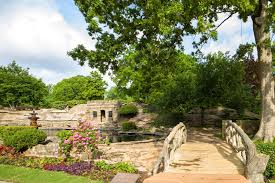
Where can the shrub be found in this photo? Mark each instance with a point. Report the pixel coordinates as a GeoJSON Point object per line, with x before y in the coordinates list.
{"type": "Point", "coordinates": [64, 134]}
{"type": "Point", "coordinates": [268, 149]}
{"type": "Point", "coordinates": [128, 125]}
{"type": "Point", "coordinates": [128, 110]}
{"type": "Point", "coordinates": [11, 130]}
{"type": "Point", "coordinates": [31, 162]}
{"type": "Point", "coordinates": [24, 139]}
{"type": "Point", "coordinates": [85, 137]}
{"type": "Point", "coordinates": [168, 119]}
{"type": "Point", "coordinates": [122, 167]}
{"type": "Point", "coordinates": [72, 103]}
{"type": "Point", "coordinates": [59, 104]}
{"type": "Point", "coordinates": [65, 147]}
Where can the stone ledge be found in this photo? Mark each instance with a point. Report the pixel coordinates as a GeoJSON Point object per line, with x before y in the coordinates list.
{"type": "Point", "coordinates": [125, 178]}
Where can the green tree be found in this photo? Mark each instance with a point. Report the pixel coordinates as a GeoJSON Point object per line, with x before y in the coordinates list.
{"type": "Point", "coordinates": [146, 25]}
{"type": "Point", "coordinates": [79, 88]}
{"type": "Point", "coordinates": [221, 81]}
{"type": "Point", "coordinates": [19, 88]}
{"type": "Point", "coordinates": [177, 93]}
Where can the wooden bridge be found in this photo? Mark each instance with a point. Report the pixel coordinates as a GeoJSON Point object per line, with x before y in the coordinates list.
{"type": "Point", "coordinates": [201, 157]}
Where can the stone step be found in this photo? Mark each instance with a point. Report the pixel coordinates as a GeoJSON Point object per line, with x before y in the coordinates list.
{"type": "Point", "coordinates": [195, 178]}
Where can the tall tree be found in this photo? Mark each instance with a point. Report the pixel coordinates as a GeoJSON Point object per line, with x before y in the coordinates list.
{"type": "Point", "coordinates": [19, 88]}
{"type": "Point", "coordinates": [79, 88]}
{"type": "Point", "coordinates": [158, 24]}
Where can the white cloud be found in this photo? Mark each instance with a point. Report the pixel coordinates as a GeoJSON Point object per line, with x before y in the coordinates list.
{"type": "Point", "coordinates": [36, 35]}
{"type": "Point", "coordinates": [231, 34]}
{"type": "Point", "coordinates": [37, 31]}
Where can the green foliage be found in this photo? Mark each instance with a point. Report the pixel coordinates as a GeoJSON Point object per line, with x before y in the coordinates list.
{"type": "Point", "coordinates": [151, 27]}
{"type": "Point", "coordinates": [128, 110]}
{"type": "Point", "coordinates": [58, 104]}
{"type": "Point", "coordinates": [142, 43]}
{"type": "Point", "coordinates": [121, 167]}
{"type": "Point", "coordinates": [76, 90]}
{"type": "Point", "coordinates": [24, 139]}
{"type": "Point", "coordinates": [268, 149]}
{"type": "Point", "coordinates": [31, 162]}
{"type": "Point", "coordinates": [64, 104]}
{"type": "Point", "coordinates": [160, 26]}
{"type": "Point", "coordinates": [84, 138]}
{"type": "Point", "coordinates": [7, 131]}
{"type": "Point", "coordinates": [128, 125]}
{"type": "Point", "coordinates": [168, 119]}
{"type": "Point", "coordinates": [19, 88]}
{"type": "Point", "coordinates": [117, 93]}
{"type": "Point", "coordinates": [64, 134]}
{"type": "Point", "coordinates": [221, 82]}
{"type": "Point", "coordinates": [72, 103]}
{"type": "Point", "coordinates": [178, 92]}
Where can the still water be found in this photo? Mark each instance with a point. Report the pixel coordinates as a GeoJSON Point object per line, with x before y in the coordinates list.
{"type": "Point", "coordinates": [111, 135]}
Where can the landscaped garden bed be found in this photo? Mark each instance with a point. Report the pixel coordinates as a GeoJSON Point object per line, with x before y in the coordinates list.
{"type": "Point", "coordinates": [94, 170]}
{"type": "Point", "coordinates": [84, 139]}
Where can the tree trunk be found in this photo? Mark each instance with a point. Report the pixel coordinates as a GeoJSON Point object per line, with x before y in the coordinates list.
{"type": "Point", "coordinates": [262, 39]}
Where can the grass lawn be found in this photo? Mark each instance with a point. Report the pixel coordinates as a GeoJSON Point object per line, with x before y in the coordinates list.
{"type": "Point", "coordinates": [28, 175]}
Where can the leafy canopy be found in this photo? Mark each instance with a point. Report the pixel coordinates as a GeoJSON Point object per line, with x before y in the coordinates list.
{"type": "Point", "coordinates": [120, 26]}
{"type": "Point", "coordinates": [79, 88]}
{"type": "Point", "coordinates": [19, 88]}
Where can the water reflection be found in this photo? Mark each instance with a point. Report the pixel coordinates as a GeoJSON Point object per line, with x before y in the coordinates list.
{"type": "Point", "coordinates": [111, 135]}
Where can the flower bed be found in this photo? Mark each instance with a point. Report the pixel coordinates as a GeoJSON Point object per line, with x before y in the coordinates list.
{"type": "Point", "coordinates": [83, 139]}
{"type": "Point", "coordinates": [95, 170]}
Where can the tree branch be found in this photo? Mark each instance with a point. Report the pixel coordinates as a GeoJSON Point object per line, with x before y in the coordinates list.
{"type": "Point", "coordinates": [224, 20]}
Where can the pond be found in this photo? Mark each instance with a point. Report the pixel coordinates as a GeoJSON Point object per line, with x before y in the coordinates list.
{"type": "Point", "coordinates": [112, 135]}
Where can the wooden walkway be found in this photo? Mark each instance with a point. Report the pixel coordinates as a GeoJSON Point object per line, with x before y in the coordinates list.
{"type": "Point", "coordinates": [204, 158]}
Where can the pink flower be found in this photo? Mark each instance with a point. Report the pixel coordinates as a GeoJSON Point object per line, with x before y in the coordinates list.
{"type": "Point", "coordinates": [66, 141]}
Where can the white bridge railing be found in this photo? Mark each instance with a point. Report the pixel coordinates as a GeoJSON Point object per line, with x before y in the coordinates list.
{"type": "Point", "coordinates": [175, 139]}
{"type": "Point", "coordinates": [254, 163]}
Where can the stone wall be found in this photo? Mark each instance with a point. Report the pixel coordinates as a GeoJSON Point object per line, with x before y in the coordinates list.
{"type": "Point", "coordinates": [53, 118]}
{"type": "Point", "coordinates": [142, 154]}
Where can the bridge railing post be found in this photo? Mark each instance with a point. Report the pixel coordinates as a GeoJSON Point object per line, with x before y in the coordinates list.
{"type": "Point", "coordinates": [174, 140]}
{"type": "Point", "coordinates": [224, 126]}
{"type": "Point", "coordinates": [255, 164]}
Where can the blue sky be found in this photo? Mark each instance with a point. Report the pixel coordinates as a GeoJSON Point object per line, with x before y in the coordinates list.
{"type": "Point", "coordinates": [38, 34]}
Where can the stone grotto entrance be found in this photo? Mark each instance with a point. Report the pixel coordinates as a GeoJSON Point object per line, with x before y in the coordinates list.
{"type": "Point", "coordinates": [102, 115]}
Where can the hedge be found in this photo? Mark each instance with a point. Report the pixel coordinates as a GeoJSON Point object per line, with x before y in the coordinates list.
{"type": "Point", "coordinates": [128, 125]}
{"type": "Point", "coordinates": [21, 138]}
{"type": "Point", "coordinates": [128, 110]}
{"type": "Point", "coordinates": [11, 130]}
{"type": "Point", "coordinates": [268, 149]}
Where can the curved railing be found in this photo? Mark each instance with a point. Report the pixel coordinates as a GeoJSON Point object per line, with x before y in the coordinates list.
{"type": "Point", "coordinates": [175, 139]}
{"type": "Point", "coordinates": [255, 164]}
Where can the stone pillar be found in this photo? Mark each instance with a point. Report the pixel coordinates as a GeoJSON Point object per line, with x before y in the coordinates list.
{"type": "Point", "coordinates": [115, 114]}
{"type": "Point", "coordinates": [99, 116]}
